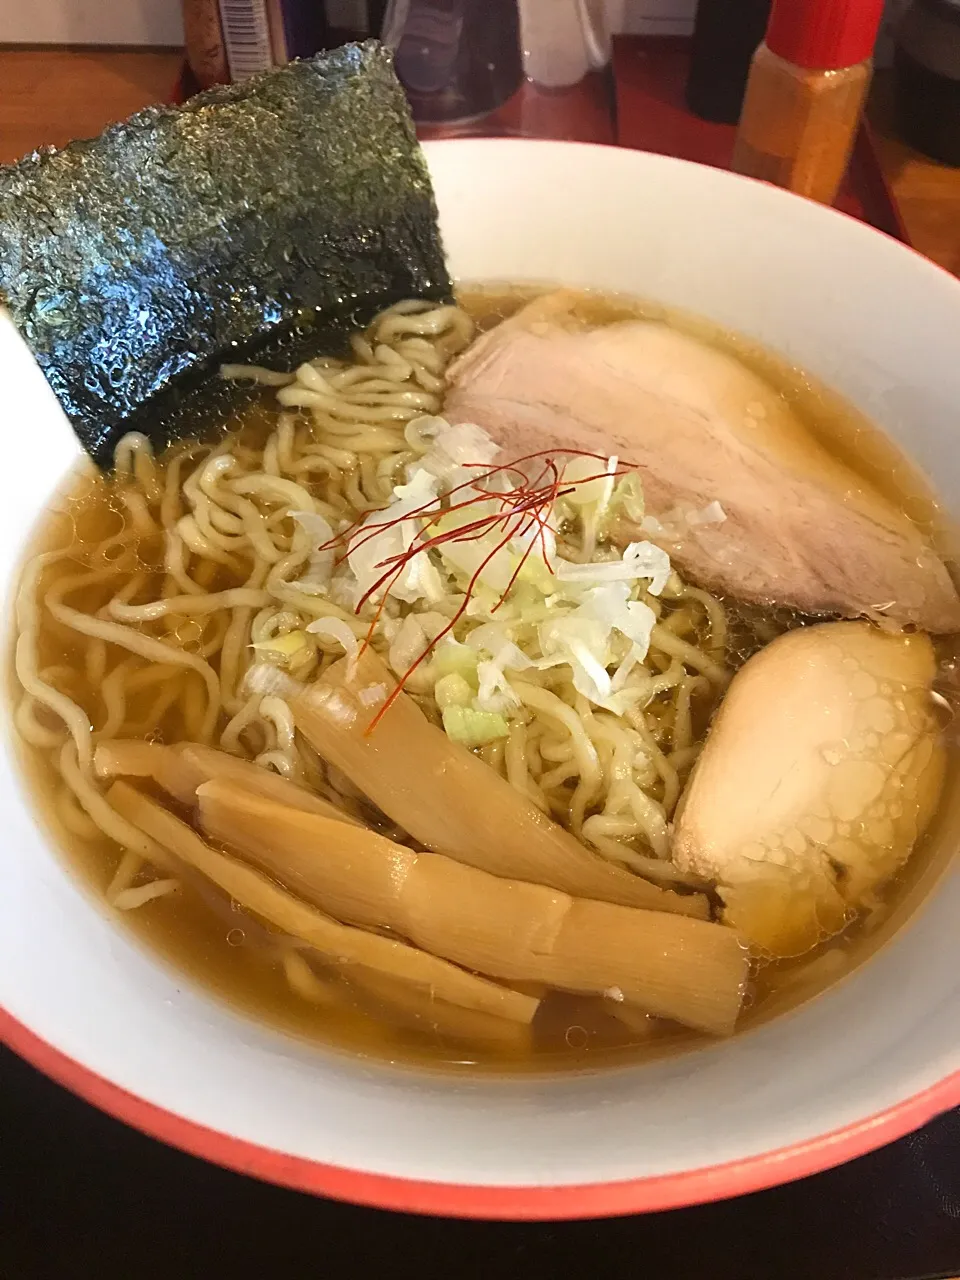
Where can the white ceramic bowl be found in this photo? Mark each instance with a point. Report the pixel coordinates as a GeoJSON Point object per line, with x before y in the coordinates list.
{"type": "Point", "coordinates": [861, 1065]}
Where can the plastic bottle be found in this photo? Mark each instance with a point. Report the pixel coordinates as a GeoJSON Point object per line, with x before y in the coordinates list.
{"type": "Point", "coordinates": [457, 59]}
{"type": "Point", "coordinates": [805, 94]}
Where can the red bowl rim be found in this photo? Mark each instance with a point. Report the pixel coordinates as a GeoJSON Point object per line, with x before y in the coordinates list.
{"type": "Point", "coordinates": [517, 1203]}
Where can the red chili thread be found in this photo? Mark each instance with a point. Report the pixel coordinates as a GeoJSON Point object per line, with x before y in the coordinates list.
{"type": "Point", "coordinates": [527, 499]}
{"type": "Point", "coordinates": [398, 688]}
{"type": "Point", "coordinates": [424, 511]}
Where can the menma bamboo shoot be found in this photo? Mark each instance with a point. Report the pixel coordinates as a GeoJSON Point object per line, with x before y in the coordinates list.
{"type": "Point", "coordinates": [394, 1001]}
{"type": "Point", "coordinates": [415, 1007]}
{"type": "Point", "coordinates": [180, 770]}
{"type": "Point", "coordinates": [258, 894]}
{"type": "Point", "coordinates": [448, 799]}
{"type": "Point", "coordinates": [688, 970]}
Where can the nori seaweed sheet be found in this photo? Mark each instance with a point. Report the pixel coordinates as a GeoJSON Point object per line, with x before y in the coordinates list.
{"type": "Point", "coordinates": [260, 221]}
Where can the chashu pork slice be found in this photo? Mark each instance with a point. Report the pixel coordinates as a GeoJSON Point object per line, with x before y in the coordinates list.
{"type": "Point", "coordinates": [801, 528]}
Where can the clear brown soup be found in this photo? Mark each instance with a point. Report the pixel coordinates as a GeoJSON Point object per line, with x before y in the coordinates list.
{"type": "Point", "coordinates": [220, 948]}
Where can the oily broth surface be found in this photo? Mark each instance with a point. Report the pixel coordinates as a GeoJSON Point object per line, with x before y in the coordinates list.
{"type": "Point", "coordinates": [221, 948]}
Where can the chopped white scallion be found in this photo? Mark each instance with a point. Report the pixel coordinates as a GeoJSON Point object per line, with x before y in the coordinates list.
{"type": "Point", "coordinates": [452, 691]}
{"type": "Point", "coordinates": [639, 560]}
{"type": "Point", "coordinates": [408, 645]}
{"type": "Point", "coordinates": [606, 492]}
{"type": "Point", "coordinates": [316, 529]}
{"type": "Point", "coordinates": [494, 693]}
{"type": "Point", "coordinates": [472, 728]}
{"type": "Point", "coordinates": [342, 634]}
{"type": "Point", "coordinates": [385, 537]}
{"type": "Point", "coordinates": [282, 646]}
{"type": "Point", "coordinates": [674, 525]}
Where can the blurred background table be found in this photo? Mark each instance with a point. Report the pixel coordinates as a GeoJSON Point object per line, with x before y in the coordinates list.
{"type": "Point", "coordinates": [82, 1196]}
{"type": "Point", "coordinates": [50, 96]}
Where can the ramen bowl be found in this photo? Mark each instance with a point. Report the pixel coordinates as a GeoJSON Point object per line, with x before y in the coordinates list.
{"type": "Point", "coordinates": [872, 1058]}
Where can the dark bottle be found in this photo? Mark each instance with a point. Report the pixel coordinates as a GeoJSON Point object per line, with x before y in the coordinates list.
{"type": "Point", "coordinates": [725, 37]}
{"type": "Point", "coordinates": [297, 28]}
{"type": "Point", "coordinates": [927, 64]}
{"type": "Point", "coordinates": [352, 19]}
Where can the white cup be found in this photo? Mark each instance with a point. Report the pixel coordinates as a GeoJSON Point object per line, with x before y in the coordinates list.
{"type": "Point", "coordinates": [870, 1059]}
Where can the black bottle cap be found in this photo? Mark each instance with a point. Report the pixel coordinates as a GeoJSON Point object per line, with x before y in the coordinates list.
{"type": "Point", "coordinates": [725, 38]}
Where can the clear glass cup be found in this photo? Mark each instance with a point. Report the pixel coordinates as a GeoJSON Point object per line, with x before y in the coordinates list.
{"type": "Point", "coordinates": [459, 60]}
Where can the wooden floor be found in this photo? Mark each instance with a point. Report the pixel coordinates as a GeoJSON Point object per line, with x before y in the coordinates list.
{"type": "Point", "coordinates": [50, 96]}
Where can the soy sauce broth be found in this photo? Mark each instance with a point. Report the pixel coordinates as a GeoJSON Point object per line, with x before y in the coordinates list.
{"type": "Point", "coordinates": [231, 955]}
